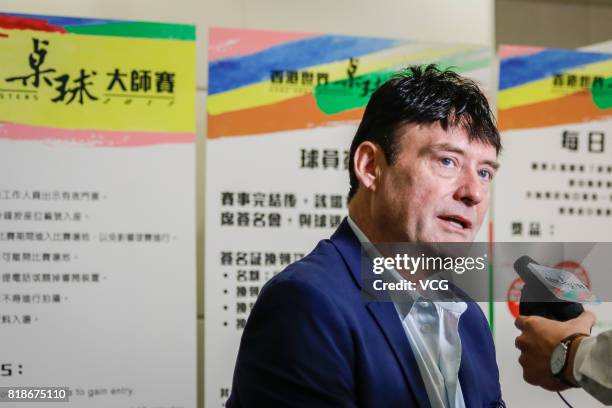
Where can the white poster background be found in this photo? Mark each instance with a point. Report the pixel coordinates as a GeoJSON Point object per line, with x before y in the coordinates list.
{"type": "Point", "coordinates": [128, 340]}
{"type": "Point", "coordinates": [268, 164]}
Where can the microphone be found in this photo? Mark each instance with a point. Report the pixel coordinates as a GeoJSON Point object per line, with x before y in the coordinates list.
{"type": "Point", "coordinates": [552, 293]}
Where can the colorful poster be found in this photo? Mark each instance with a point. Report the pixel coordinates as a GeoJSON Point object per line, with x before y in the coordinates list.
{"type": "Point", "coordinates": [555, 183]}
{"type": "Point", "coordinates": [97, 211]}
{"type": "Point", "coordinates": [282, 111]}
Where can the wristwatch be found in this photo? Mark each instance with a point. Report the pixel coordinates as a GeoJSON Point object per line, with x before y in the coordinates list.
{"type": "Point", "coordinates": [558, 358]}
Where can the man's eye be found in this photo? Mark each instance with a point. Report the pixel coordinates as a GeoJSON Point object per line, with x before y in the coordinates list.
{"type": "Point", "coordinates": [485, 174]}
{"type": "Point", "coordinates": [446, 162]}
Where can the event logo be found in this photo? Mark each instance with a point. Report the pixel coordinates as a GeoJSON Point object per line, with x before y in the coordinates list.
{"type": "Point", "coordinates": [70, 87]}
{"type": "Point", "coordinates": [571, 80]}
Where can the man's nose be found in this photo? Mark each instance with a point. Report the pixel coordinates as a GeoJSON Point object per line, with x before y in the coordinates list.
{"type": "Point", "coordinates": [470, 188]}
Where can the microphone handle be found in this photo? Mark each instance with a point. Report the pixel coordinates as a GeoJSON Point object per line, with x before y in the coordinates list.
{"type": "Point", "coordinates": [560, 311]}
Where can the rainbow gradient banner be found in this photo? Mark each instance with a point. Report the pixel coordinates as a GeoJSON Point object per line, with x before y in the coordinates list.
{"type": "Point", "coordinates": [541, 87]}
{"type": "Point", "coordinates": [266, 81]}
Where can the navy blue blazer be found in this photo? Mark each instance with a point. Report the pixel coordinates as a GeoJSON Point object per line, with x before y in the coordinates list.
{"type": "Point", "coordinates": [313, 341]}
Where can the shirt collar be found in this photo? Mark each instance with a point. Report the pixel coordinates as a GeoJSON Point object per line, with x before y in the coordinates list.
{"type": "Point", "coordinates": [404, 304]}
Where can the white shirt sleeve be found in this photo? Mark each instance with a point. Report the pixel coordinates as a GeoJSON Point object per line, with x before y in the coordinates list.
{"type": "Point", "coordinates": [593, 366]}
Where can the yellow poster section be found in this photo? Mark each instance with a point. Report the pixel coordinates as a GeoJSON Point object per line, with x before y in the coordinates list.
{"type": "Point", "coordinates": [142, 108]}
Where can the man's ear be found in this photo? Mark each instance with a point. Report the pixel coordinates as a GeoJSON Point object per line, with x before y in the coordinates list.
{"type": "Point", "coordinates": [366, 166]}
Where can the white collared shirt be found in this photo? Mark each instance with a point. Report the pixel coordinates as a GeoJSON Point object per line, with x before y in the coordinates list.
{"type": "Point", "coordinates": [432, 329]}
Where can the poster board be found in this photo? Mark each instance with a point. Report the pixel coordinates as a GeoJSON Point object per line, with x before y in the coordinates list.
{"type": "Point", "coordinates": [555, 182]}
{"type": "Point", "coordinates": [97, 210]}
{"type": "Point", "coordinates": [282, 111]}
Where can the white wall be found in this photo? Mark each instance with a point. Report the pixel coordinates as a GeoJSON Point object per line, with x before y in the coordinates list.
{"type": "Point", "coordinates": [553, 23]}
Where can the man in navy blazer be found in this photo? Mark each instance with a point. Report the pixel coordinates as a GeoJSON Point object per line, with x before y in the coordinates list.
{"type": "Point", "coordinates": [421, 164]}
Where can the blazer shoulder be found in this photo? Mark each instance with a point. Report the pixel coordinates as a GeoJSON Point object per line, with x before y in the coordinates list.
{"type": "Point", "coordinates": [322, 269]}
{"type": "Point", "coordinates": [474, 317]}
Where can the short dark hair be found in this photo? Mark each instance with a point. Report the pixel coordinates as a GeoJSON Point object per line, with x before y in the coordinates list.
{"type": "Point", "coordinates": [425, 96]}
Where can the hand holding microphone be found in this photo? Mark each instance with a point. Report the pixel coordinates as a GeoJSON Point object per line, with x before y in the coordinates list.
{"type": "Point", "coordinates": [539, 339]}
{"type": "Point", "coordinates": [551, 323]}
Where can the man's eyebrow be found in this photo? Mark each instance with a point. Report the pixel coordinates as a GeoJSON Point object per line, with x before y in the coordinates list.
{"type": "Point", "coordinates": [447, 147]}
{"type": "Point", "coordinates": [492, 163]}
{"type": "Point", "coordinates": [440, 147]}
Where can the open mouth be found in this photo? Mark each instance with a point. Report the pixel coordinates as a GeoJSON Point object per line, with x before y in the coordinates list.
{"type": "Point", "coordinates": [456, 221]}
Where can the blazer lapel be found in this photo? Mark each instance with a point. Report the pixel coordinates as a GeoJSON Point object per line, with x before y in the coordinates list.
{"type": "Point", "coordinates": [388, 320]}
{"type": "Point", "coordinates": [384, 313]}
{"type": "Point", "coordinates": [466, 371]}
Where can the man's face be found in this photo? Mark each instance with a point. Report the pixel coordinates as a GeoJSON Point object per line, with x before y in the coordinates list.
{"type": "Point", "coordinates": [438, 188]}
